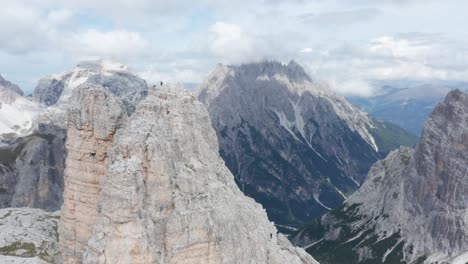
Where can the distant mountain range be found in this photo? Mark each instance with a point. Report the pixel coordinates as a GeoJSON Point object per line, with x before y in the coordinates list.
{"type": "Point", "coordinates": [405, 103]}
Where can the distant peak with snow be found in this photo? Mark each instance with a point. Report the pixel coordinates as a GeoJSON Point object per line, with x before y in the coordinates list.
{"type": "Point", "coordinates": [7, 85]}
{"type": "Point", "coordinates": [102, 66]}
{"type": "Point", "coordinates": [57, 88]}
{"type": "Point", "coordinates": [16, 112]}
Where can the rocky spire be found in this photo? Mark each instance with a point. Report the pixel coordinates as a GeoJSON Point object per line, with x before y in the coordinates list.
{"type": "Point", "coordinates": [438, 188]}
{"type": "Point", "coordinates": [93, 118]}
{"type": "Point", "coordinates": [157, 190]}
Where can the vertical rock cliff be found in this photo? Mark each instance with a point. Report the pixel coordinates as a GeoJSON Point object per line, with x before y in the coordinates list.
{"type": "Point", "coordinates": [153, 189]}
{"type": "Point", "coordinates": [93, 118]}
{"type": "Point", "coordinates": [31, 157]}
{"type": "Point", "coordinates": [31, 170]}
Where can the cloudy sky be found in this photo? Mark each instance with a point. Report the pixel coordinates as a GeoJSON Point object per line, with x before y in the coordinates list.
{"type": "Point", "coordinates": [349, 43]}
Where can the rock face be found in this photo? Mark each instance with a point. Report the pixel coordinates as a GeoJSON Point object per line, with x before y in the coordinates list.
{"type": "Point", "coordinates": [157, 190]}
{"type": "Point", "coordinates": [292, 144]}
{"type": "Point", "coordinates": [48, 90]}
{"type": "Point", "coordinates": [32, 157]}
{"type": "Point", "coordinates": [10, 86]}
{"type": "Point", "coordinates": [93, 118]}
{"type": "Point", "coordinates": [28, 236]}
{"type": "Point", "coordinates": [31, 170]}
{"type": "Point", "coordinates": [33, 161]}
{"type": "Point", "coordinates": [412, 208]}
{"type": "Point", "coordinates": [57, 89]}
{"type": "Point", "coordinates": [54, 91]}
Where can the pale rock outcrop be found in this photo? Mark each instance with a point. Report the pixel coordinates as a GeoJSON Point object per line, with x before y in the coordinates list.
{"type": "Point", "coordinates": [93, 118]}
{"type": "Point", "coordinates": [157, 189]}
{"type": "Point", "coordinates": [28, 236]}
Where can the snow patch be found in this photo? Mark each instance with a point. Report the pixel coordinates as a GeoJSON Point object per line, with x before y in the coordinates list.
{"type": "Point", "coordinates": [316, 197]}
{"type": "Point", "coordinates": [340, 192]}
{"type": "Point", "coordinates": [356, 236]}
{"type": "Point", "coordinates": [77, 77]}
{"type": "Point", "coordinates": [461, 259]}
{"type": "Point", "coordinates": [390, 251]}
{"type": "Point", "coordinates": [315, 243]}
{"type": "Point", "coordinates": [263, 78]}
{"type": "Point", "coordinates": [18, 116]}
{"type": "Point", "coordinates": [286, 124]}
{"type": "Point", "coordinates": [299, 125]}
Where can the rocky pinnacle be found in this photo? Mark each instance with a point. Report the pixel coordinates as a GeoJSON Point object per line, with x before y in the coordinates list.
{"type": "Point", "coordinates": [152, 188]}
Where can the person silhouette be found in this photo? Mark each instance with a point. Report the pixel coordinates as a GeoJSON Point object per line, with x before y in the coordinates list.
{"type": "Point", "coordinates": [161, 83]}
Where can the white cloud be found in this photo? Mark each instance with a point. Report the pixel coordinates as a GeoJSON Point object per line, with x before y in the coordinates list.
{"type": "Point", "coordinates": [352, 87]}
{"type": "Point", "coordinates": [400, 47]}
{"type": "Point", "coordinates": [185, 39]}
{"type": "Point", "coordinates": [118, 44]}
{"type": "Point", "coordinates": [227, 36]}
{"type": "Point", "coordinates": [416, 71]}
{"type": "Point", "coordinates": [339, 18]}
{"type": "Point", "coordinates": [22, 28]}
{"type": "Point", "coordinates": [231, 44]}
{"type": "Point", "coordinates": [351, 69]}
{"type": "Point", "coordinates": [306, 50]}
{"type": "Point", "coordinates": [154, 76]}
{"type": "Point", "coordinates": [59, 17]}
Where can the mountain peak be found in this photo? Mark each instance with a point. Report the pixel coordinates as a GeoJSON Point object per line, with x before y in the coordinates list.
{"type": "Point", "coordinates": [160, 192]}
{"type": "Point", "coordinates": [292, 76]}
{"type": "Point", "coordinates": [443, 143]}
{"type": "Point", "coordinates": [270, 68]}
{"type": "Point", "coordinates": [298, 69]}
{"type": "Point", "coordinates": [4, 84]}
{"type": "Point", "coordinates": [456, 99]}
{"type": "Point", "coordinates": [273, 113]}
{"type": "Point", "coordinates": [57, 89]}
{"type": "Point", "coordinates": [102, 66]}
